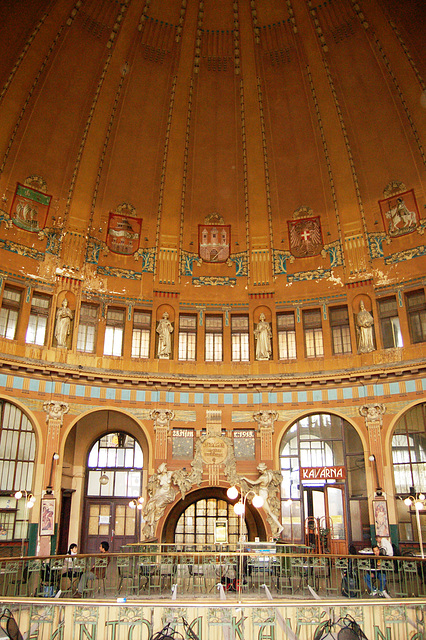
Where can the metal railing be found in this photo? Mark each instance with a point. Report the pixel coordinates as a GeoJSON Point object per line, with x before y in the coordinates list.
{"type": "Point", "coordinates": [153, 572]}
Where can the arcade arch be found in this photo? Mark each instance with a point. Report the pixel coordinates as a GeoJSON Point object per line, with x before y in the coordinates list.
{"type": "Point", "coordinates": [103, 446]}
{"type": "Point", "coordinates": [324, 491]}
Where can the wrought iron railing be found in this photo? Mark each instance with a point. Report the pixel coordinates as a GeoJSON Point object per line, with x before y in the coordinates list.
{"type": "Point", "coordinates": [152, 572]}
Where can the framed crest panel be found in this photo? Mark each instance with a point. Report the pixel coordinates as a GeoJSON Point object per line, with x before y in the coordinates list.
{"type": "Point", "coordinates": [29, 208]}
{"type": "Point", "coordinates": [305, 237]}
{"type": "Point", "coordinates": [213, 242]}
{"type": "Point", "coordinates": [123, 236]}
{"type": "Point", "coordinates": [400, 213]}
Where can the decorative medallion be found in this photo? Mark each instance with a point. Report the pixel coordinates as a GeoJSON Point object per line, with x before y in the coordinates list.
{"type": "Point", "coordinates": [29, 208]}
{"type": "Point", "coordinates": [400, 213]}
{"type": "Point", "coordinates": [214, 239]}
{"type": "Point", "coordinates": [305, 237]}
{"type": "Point", "coordinates": [123, 234]}
{"type": "Point", "coordinates": [214, 450]}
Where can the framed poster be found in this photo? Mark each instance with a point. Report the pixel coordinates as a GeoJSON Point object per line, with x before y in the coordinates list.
{"type": "Point", "coordinates": [381, 522]}
{"type": "Point", "coordinates": [221, 532]}
{"type": "Point", "coordinates": [47, 520]}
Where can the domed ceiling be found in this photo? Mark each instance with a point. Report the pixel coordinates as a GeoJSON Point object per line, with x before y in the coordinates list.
{"type": "Point", "coordinates": [218, 151]}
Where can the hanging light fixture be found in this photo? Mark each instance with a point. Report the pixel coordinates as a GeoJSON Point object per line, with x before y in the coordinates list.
{"type": "Point", "coordinates": [104, 479]}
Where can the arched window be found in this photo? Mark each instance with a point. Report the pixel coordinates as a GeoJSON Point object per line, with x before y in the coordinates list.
{"type": "Point", "coordinates": [196, 525]}
{"type": "Point", "coordinates": [409, 451]}
{"type": "Point", "coordinates": [409, 468]}
{"type": "Point", "coordinates": [115, 463]}
{"type": "Point", "coordinates": [17, 454]}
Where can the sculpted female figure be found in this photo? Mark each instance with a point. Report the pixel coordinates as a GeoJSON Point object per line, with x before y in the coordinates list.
{"type": "Point", "coordinates": [63, 324]}
{"type": "Point", "coordinates": [263, 335]}
{"type": "Point", "coordinates": [364, 323]}
{"type": "Point", "coordinates": [164, 330]}
{"type": "Point", "coordinates": [268, 481]}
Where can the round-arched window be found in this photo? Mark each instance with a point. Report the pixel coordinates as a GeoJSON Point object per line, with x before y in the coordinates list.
{"type": "Point", "coordinates": [115, 466]}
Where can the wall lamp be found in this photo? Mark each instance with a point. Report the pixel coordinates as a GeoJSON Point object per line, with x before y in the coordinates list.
{"type": "Point", "coordinates": [136, 503]}
{"type": "Point", "coordinates": [379, 490]}
{"type": "Point", "coordinates": [239, 510]}
{"type": "Point", "coordinates": [29, 503]}
{"type": "Point", "coordinates": [49, 488]}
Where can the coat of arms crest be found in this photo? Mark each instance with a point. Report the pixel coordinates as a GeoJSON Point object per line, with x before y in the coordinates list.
{"type": "Point", "coordinates": [305, 237]}
{"type": "Point", "coordinates": [214, 239]}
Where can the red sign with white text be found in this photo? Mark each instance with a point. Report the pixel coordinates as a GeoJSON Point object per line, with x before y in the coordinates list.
{"type": "Point", "coordinates": [323, 473]}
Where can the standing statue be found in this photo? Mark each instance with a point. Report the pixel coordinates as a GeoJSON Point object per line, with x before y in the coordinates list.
{"type": "Point", "coordinates": [64, 317]}
{"type": "Point", "coordinates": [164, 330]}
{"type": "Point", "coordinates": [263, 335]}
{"type": "Point", "coordinates": [364, 324]}
{"type": "Point", "coordinates": [268, 482]}
{"type": "Point", "coordinates": [161, 493]}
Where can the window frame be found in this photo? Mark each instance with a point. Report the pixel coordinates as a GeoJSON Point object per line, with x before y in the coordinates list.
{"type": "Point", "coordinates": [315, 331]}
{"type": "Point", "coordinates": [416, 311]}
{"type": "Point", "coordinates": [187, 338]}
{"type": "Point", "coordinates": [216, 335]}
{"type": "Point", "coordinates": [38, 312]}
{"type": "Point", "coordinates": [14, 306]}
{"type": "Point", "coordinates": [387, 327]}
{"type": "Point", "coordinates": [240, 339]}
{"type": "Point", "coordinates": [86, 322]}
{"type": "Point", "coordinates": [339, 327]}
{"type": "Point", "coordinates": [283, 334]}
{"type": "Point", "coordinates": [116, 327]}
{"type": "Point", "coordinates": [141, 334]}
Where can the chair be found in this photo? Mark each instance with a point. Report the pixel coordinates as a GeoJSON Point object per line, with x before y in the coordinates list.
{"type": "Point", "coordinates": [73, 575]}
{"type": "Point", "coordinates": [96, 577]}
{"type": "Point", "coordinates": [127, 573]}
{"type": "Point", "coordinates": [10, 570]}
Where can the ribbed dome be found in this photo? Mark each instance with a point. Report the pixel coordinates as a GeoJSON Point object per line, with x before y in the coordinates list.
{"type": "Point", "coordinates": [288, 133]}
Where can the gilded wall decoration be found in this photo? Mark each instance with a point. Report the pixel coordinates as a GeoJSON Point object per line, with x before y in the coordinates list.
{"type": "Point", "coordinates": [123, 234]}
{"type": "Point", "coordinates": [187, 261]}
{"type": "Point", "coordinates": [213, 281]}
{"type": "Point", "coordinates": [15, 247]}
{"type": "Point", "coordinates": [334, 252]}
{"type": "Point", "coordinates": [241, 263]}
{"type": "Point", "coordinates": [401, 256]}
{"type": "Point", "coordinates": [317, 274]}
{"type": "Point", "coordinates": [280, 259]}
{"type": "Point", "coordinates": [129, 274]}
{"type": "Point", "coordinates": [305, 237]}
{"type": "Point", "coordinates": [400, 213]}
{"type": "Point", "coordinates": [30, 208]}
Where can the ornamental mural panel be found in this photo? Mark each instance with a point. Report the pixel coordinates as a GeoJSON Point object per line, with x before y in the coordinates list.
{"type": "Point", "coordinates": [29, 208]}
{"type": "Point", "coordinates": [400, 213]}
{"type": "Point", "coordinates": [123, 234]}
{"type": "Point", "coordinates": [305, 237]}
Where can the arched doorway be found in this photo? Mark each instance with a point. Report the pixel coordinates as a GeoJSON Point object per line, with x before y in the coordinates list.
{"type": "Point", "coordinates": [114, 476]}
{"type": "Point", "coordinates": [193, 520]}
{"type": "Point", "coordinates": [324, 492]}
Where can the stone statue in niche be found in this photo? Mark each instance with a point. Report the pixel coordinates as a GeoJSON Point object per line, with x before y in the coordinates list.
{"type": "Point", "coordinates": [164, 330]}
{"type": "Point", "coordinates": [267, 484]}
{"type": "Point", "coordinates": [263, 335]}
{"type": "Point", "coordinates": [64, 317]}
{"type": "Point", "coordinates": [364, 325]}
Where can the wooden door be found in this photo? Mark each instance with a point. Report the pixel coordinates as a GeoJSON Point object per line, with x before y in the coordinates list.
{"type": "Point", "coordinates": [111, 520]}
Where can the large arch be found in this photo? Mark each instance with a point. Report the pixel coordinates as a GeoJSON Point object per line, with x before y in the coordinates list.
{"type": "Point", "coordinates": [324, 501]}
{"type": "Point", "coordinates": [254, 521]}
{"type": "Point", "coordinates": [80, 435]}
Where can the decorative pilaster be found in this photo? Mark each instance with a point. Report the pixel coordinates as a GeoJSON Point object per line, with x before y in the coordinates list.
{"type": "Point", "coordinates": [265, 425]}
{"type": "Point", "coordinates": [55, 411]}
{"type": "Point", "coordinates": [374, 421]}
{"type": "Point", "coordinates": [161, 418]}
